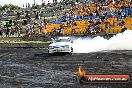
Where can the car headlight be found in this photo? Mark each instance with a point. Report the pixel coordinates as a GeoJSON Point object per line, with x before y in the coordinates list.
{"type": "Point", "coordinates": [66, 46]}
{"type": "Point", "coordinates": [50, 47]}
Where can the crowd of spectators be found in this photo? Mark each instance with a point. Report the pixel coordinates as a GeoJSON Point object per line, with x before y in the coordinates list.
{"type": "Point", "coordinates": [99, 12]}
{"type": "Point", "coordinates": [87, 17]}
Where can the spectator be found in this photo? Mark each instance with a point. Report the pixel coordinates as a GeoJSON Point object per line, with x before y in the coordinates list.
{"type": "Point", "coordinates": [1, 32]}
{"type": "Point", "coordinates": [7, 32]}
{"type": "Point", "coordinates": [123, 29]}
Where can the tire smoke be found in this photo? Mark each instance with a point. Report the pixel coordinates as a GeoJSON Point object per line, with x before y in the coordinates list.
{"type": "Point", "coordinates": [121, 41]}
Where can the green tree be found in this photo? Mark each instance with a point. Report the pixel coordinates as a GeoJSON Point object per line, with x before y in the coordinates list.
{"type": "Point", "coordinates": [0, 7]}
{"type": "Point", "coordinates": [5, 7]}
{"type": "Point", "coordinates": [10, 7]}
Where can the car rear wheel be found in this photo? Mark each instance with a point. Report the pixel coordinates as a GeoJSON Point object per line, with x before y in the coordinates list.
{"type": "Point", "coordinates": [70, 53]}
{"type": "Point", "coordinates": [50, 54]}
{"type": "Point", "coordinates": [71, 49]}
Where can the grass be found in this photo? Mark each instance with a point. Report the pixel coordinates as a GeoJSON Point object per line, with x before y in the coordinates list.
{"type": "Point", "coordinates": [21, 42]}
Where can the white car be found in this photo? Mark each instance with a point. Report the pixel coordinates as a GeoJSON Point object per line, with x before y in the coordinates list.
{"type": "Point", "coordinates": [60, 45]}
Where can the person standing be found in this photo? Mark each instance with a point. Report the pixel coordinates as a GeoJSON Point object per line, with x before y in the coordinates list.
{"type": "Point", "coordinates": [7, 32]}
{"type": "Point", "coordinates": [1, 32]}
{"type": "Point", "coordinates": [123, 29]}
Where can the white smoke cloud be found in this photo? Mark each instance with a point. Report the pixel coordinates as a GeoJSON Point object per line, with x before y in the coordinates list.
{"type": "Point", "coordinates": [121, 41]}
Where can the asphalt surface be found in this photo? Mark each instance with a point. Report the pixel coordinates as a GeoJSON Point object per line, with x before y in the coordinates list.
{"type": "Point", "coordinates": [33, 68]}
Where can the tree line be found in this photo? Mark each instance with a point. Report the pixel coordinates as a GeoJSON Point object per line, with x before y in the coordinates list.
{"type": "Point", "coordinates": [9, 7]}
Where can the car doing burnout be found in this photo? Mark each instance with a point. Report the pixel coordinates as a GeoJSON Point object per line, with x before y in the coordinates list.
{"type": "Point", "coordinates": [60, 45]}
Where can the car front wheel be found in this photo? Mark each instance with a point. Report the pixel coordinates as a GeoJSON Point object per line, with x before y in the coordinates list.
{"type": "Point", "coordinates": [50, 54]}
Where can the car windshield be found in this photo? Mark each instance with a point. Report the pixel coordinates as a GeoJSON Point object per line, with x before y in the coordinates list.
{"type": "Point", "coordinates": [62, 40]}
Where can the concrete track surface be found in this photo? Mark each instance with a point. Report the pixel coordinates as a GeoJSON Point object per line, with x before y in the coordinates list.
{"type": "Point", "coordinates": [33, 68]}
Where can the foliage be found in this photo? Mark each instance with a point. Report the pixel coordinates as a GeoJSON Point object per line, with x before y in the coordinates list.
{"type": "Point", "coordinates": [9, 7]}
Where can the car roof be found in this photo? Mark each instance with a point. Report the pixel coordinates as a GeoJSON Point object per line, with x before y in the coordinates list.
{"type": "Point", "coordinates": [63, 38]}
{"type": "Point", "coordinates": [60, 38]}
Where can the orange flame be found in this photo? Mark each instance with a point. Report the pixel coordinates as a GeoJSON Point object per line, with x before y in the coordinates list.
{"type": "Point", "coordinates": [81, 71]}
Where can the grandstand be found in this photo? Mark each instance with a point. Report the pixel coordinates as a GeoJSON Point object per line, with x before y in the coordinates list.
{"type": "Point", "coordinates": [109, 16]}
{"type": "Point", "coordinates": [79, 17]}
